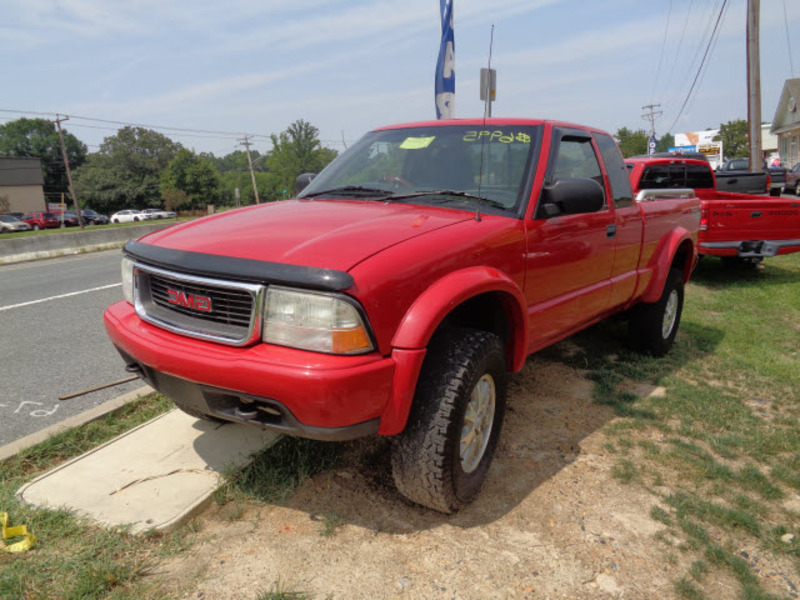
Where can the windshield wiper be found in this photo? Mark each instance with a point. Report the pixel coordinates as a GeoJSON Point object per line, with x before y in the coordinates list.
{"type": "Point", "coordinates": [457, 193]}
{"type": "Point", "coordinates": [351, 190]}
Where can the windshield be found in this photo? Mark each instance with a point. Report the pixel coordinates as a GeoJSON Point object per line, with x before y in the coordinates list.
{"type": "Point", "coordinates": [484, 166]}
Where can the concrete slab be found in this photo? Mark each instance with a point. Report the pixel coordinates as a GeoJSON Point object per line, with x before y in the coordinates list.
{"type": "Point", "coordinates": [155, 476]}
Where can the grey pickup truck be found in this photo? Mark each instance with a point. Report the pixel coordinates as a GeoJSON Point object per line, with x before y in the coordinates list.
{"type": "Point", "coordinates": [735, 176]}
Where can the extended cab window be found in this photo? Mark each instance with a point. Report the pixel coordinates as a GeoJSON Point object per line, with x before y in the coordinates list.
{"type": "Point", "coordinates": [621, 192]}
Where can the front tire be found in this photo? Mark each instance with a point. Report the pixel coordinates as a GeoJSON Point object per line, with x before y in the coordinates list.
{"type": "Point", "coordinates": [653, 326]}
{"type": "Point", "coordinates": [442, 458]}
{"type": "Point", "coordinates": [36, 227]}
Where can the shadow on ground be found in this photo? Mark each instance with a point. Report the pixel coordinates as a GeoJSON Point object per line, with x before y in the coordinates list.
{"type": "Point", "coordinates": [552, 411]}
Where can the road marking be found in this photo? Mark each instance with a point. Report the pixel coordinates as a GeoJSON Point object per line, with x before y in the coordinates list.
{"type": "Point", "coordinates": [96, 289]}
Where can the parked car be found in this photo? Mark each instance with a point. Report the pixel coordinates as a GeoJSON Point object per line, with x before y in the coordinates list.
{"type": "Point", "coordinates": [92, 218]}
{"type": "Point", "coordinates": [394, 295]}
{"type": "Point", "coordinates": [41, 220]}
{"type": "Point", "coordinates": [129, 216]}
{"type": "Point", "coordinates": [157, 213]}
{"type": "Point", "coordinates": [739, 228]}
{"type": "Point", "coordinates": [16, 215]}
{"type": "Point", "coordinates": [792, 183]}
{"type": "Point", "coordinates": [70, 219]}
{"type": "Point", "coordinates": [9, 224]}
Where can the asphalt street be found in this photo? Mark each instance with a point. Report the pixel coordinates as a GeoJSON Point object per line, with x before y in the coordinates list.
{"type": "Point", "coordinates": [54, 342]}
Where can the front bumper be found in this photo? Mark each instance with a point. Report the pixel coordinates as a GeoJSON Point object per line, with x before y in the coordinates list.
{"type": "Point", "coordinates": [292, 391]}
{"type": "Point", "coordinates": [750, 248]}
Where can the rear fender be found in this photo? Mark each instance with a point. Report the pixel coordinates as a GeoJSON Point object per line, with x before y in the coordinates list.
{"type": "Point", "coordinates": [427, 314]}
{"type": "Point", "coordinates": [680, 243]}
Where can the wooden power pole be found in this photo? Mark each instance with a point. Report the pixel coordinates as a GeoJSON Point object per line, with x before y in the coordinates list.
{"type": "Point", "coordinates": [245, 141]}
{"type": "Point", "coordinates": [754, 85]}
{"type": "Point", "coordinates": [66, 166]}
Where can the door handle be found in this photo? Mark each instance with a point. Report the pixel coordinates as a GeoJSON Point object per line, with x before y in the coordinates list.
{"type": "Point", "coordinates": [611, 231]}
{"type": "Point", "coordinates": [755, 214]}
{"type": "Point", "coordinates": [732, 181]}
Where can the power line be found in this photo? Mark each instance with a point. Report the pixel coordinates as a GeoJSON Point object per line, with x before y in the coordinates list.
{"type": "Point", "coordinates": [661, 56]}
{"type": "Point", "coordinates": [680, 44]}
{"type": "Point", "coordinates": [702, 63]}
{"type": "Point", "coordinates": [690, 66]}
{"type": "Point", "coordinates": [788, 43]}
{"type": "Point", "coordinates": [127, 124]}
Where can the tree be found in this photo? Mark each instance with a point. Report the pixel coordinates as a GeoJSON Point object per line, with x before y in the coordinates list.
{"type": "Point", "coordinates": [733, 136]}
{"type": "Point", "coordinates": [294, 151]}
{"type": "Point", "coordinates": [126, 171]}
{"type": "Point", "coordinates": [194, 175]}
{"type": "Point", "coordinates": [632, 143]}
{"type": "Point", "coordinates": [666, 142]}
{"type": "Point", "coordinates": [241, 179]}
{"type": "Point", "coordinates": [38, 138]}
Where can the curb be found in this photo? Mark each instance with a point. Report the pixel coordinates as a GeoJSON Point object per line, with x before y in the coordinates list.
{"type": "Point", "coordinates": [88, 416]}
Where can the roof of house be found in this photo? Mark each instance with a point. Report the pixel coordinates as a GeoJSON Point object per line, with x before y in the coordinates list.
{"type": "Point", "coordinates": [787, 113]}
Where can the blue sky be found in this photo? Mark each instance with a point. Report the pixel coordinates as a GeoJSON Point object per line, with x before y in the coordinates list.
{"type": "Point", "coordinates": [247, 66]}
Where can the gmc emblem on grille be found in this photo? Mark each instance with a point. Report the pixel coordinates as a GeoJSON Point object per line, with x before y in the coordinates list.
{"type": "Point", "coordinates": [199, 303]}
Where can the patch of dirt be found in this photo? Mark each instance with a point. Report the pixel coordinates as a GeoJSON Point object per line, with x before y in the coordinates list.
{"type": "Point", "coordinates": [551, 522]}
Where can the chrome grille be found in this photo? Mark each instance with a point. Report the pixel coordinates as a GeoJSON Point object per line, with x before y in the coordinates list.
{"type": "Point", "coordinates": [232, 307]}
{"type": "Point", "coordinates": [211, 309]}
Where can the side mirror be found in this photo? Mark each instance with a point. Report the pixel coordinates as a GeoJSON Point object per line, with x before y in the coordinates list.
{"type": "Point", "coordinates": [302, 182]}
{"type": "Point", "coordinates": [571, 196]}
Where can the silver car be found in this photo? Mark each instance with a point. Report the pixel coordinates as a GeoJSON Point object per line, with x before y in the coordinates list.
{"type": "Point", "coordinates": [9, 224]}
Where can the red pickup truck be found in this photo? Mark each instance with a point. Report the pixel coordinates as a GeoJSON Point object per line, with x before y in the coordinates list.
{"type": "Point", "coordinates": [394, 295]}
{"type": "Point", "coordinates": [737, 227]}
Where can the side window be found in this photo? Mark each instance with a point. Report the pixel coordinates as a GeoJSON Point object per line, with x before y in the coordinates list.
{"type": "Point", "coordinates": [576, 159]}
{"type": "Point", "coordinates": [615, 167]}
{"type": "Point", "coordinates": [699, 177]}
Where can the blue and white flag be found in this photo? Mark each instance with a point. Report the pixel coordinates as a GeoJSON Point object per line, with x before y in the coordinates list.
{"type": "Point", "coordinates": [651, 144]}
{"type": "Point", "coordinates": [445, 85]}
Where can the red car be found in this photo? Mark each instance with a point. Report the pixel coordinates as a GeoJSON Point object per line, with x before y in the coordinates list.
{"type": "Point", "coordinates": [41, 220]}
{"type": "Point", "coordinates": [740, 228]}
{"type": "Point", "coordinates": [394, 295]}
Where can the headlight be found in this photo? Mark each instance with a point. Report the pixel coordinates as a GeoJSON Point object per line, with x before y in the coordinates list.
{"type": "Point", "coordinates": [311, 321]}
{"type": "Point", "coordinates": [127, 279]}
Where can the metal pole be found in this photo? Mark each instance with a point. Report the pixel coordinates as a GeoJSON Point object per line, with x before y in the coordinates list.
{"type": "Point", "coordinates": [245, 141]}
{"type": "Point", "coordinates": [754, 85]}
{"type": "Point", "coordinates": [69, 174]}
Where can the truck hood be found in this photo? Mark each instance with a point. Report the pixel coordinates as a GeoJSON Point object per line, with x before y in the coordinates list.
{"type": "Point", "coordinates": [313, 233]}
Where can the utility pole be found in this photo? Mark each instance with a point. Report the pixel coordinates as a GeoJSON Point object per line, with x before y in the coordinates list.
{"type": "Point", "coordinates": [69, 174]}
{"type": "Point", "coordinates": [651, 116]}
{"type": "Point", "coordinates": [754, 85]}
{"type": "Point", "coordinates": [245, 141]}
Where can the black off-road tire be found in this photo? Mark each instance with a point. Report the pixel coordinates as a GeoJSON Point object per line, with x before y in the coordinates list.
{"type": "Point", "coordinates": [653, 326]}
{"type": "Point", "coordinates": [426, 458]}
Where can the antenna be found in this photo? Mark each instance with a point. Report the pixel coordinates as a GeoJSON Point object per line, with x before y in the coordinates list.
{"type": "Point", "coordinates": [487, 109]}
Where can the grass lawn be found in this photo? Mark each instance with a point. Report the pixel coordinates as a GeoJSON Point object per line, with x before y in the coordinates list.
{"type": "Point", "coordinates": [719, 447]}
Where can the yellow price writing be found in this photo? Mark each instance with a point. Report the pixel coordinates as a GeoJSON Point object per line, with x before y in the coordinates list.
{"type": "Point", "coordinates": [504, 137]}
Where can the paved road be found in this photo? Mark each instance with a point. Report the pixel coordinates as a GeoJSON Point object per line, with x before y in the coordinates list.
{"type": "Point", "coordinates": [54, 342]}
